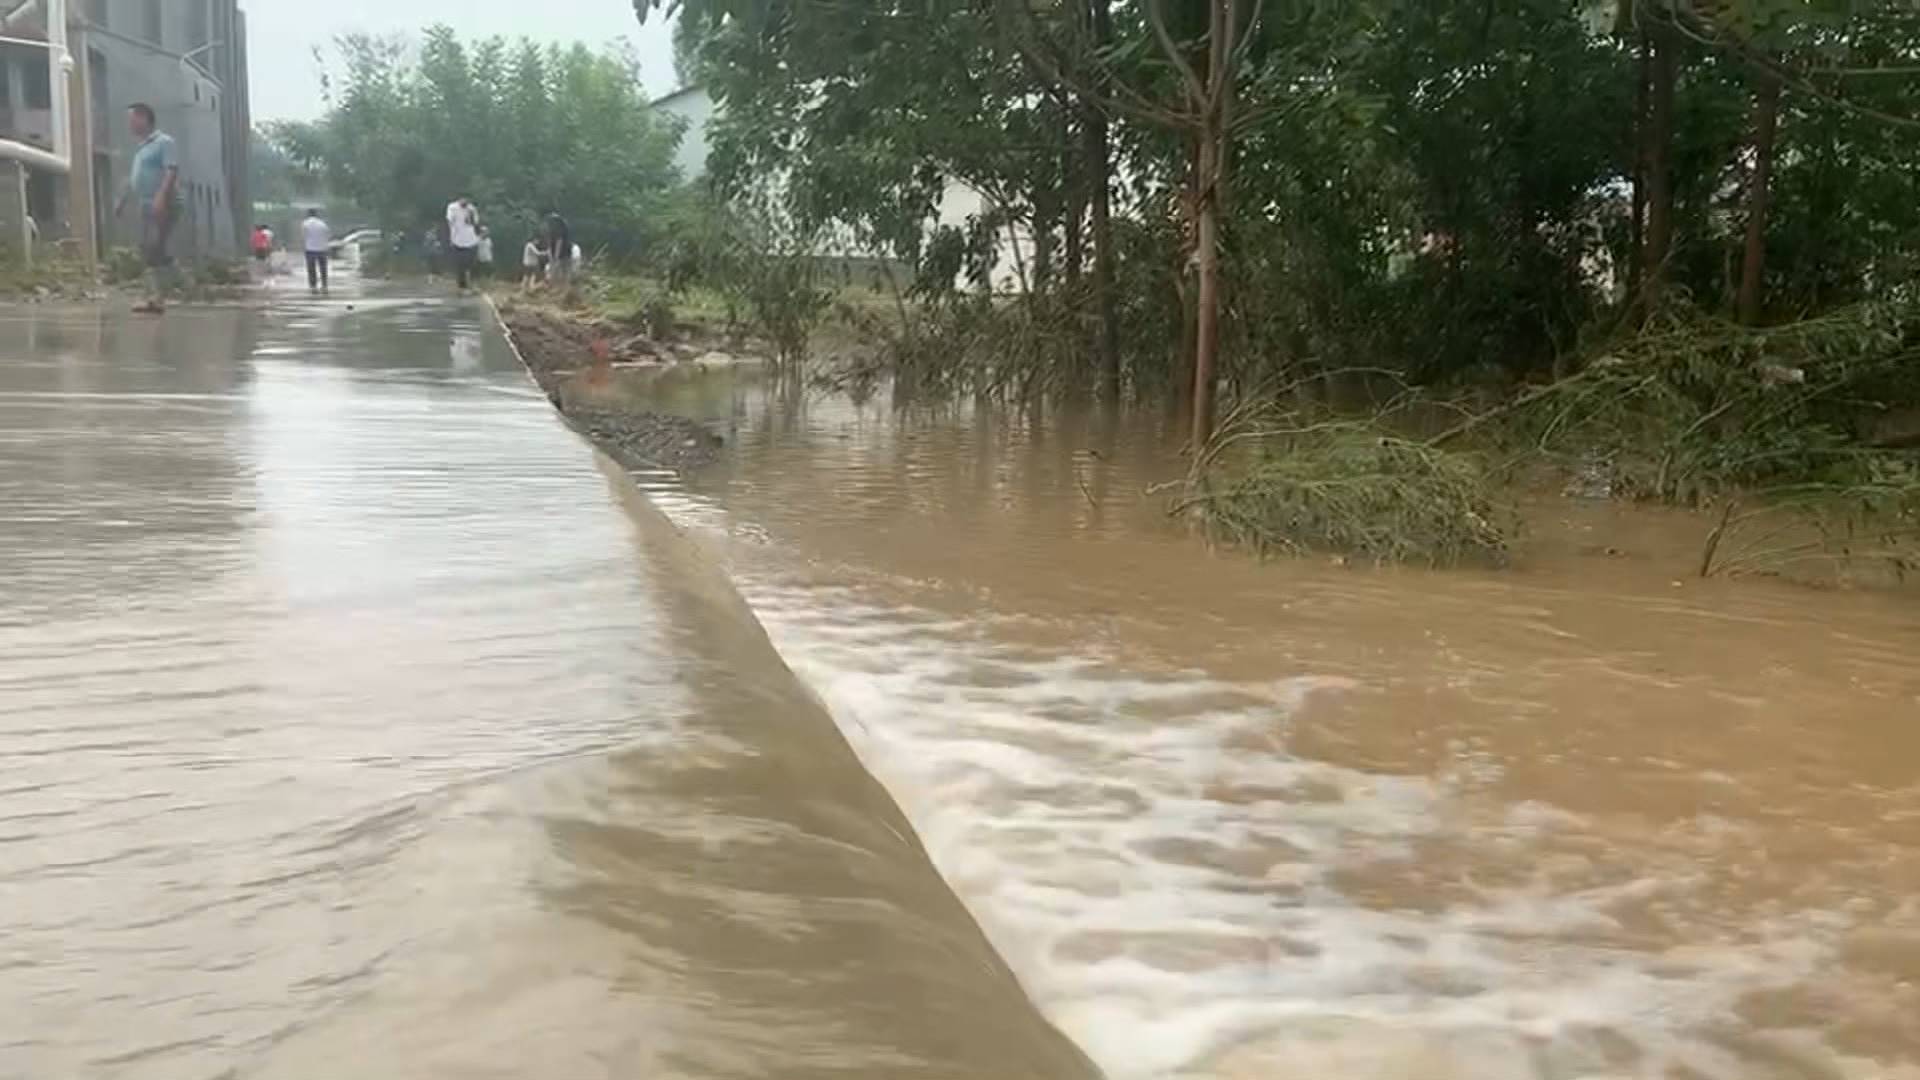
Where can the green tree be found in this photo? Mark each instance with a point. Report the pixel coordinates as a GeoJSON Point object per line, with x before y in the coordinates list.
{"type": "Point", "coordinates": [521, 128]}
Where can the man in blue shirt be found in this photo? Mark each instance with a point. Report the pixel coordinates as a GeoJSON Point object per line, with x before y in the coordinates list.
{"type": "Point", "coordinates": [153, 179]}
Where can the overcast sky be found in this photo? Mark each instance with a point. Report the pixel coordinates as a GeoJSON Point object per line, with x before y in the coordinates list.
{"type": "Point", "coordinates": [281, 35]}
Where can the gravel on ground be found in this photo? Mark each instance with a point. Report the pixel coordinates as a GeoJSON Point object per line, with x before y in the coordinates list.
{"type": "Point", "coordinates": [560, 348]}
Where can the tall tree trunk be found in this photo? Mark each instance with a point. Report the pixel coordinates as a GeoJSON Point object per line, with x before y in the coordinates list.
{"type": "Point", "coordinates": [1206, 337]}
{"type": "Point", "coordinates": [1658, 151]}
{"type": "Point", "coordinates": [1099, 179]}
{"type": "Point", "coordinates": [1046, 212]}
{"type": "Point", "coordinates": [1214, 109]}
{"type": "Point", "coordinates": [1073, 220]}
{"type": "Point", "coordinates": [1637, 242]}
{"type": "Point", "coordinates": [1100, 227]}
{"type": "Point", "coordinates": [1766, 123]}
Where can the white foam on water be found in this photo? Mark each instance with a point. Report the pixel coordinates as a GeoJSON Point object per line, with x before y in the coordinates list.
{"type": "Point", "coordinates": [1185, 897]}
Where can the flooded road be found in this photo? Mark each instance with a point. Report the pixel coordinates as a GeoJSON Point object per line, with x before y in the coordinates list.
{"type": "Point", "coordinates": [354, 720]}
{"type": "Point", "coordinates": [1587, 818]}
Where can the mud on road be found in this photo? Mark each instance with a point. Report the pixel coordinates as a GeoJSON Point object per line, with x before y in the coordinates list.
{"type": "Point", "coordinates": [561, 351]}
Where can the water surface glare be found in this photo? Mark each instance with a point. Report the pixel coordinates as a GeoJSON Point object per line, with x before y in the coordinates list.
{"type": "Point", "coordinates": [354, 720]}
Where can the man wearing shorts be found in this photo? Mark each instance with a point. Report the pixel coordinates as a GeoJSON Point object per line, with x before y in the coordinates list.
{"type": "Point", "coordinates": [154, 180]}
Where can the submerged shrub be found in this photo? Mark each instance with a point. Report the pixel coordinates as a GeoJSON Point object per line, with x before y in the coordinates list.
{"type": "Point", "coordinates": [1696, 409]}
{"type": "Point", "coordinates": [1355, 489]}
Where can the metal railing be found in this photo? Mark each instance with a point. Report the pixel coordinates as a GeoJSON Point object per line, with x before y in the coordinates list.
{"type": "Point", "coordinates": [58, 160]}
{"type": "Point", "coordinates": [59, 70]}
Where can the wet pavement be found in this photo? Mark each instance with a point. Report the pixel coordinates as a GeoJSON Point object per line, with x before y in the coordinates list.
{"type": "Point", "coordinates": [355, 719]}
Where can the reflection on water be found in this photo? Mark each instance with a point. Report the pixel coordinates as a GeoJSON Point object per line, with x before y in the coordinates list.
{"type": "Point", "coordinates": [353, 723]}
{"type": "Point", "coordinates": [1226, 819]}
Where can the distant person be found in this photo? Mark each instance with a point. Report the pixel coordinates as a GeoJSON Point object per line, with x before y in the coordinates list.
{"type": "Point", "coordinates": [560, 249]}
{"type": "Point", "coordinates": [533, 262]}
{"type": "Point", "coordinates": [463, 236]}
{"type": "Point", "coordinates": [483, 252]}
{"type": "Point", "coordinates": [262, 245]}
{"type": "Point", "coordinates": [432, 251]}
{"type": "Point", "coordinates": [154, 179]}
{"type": "Point", "coordinates": [317, 238]}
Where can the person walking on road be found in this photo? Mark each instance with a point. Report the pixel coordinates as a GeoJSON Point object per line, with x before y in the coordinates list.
{"type": "Point", "coordinates": [318, 240]}
{"type": "Point", "coordinates": [463, 236]}
{"type": "Point", "coordinates": [559, 249]}
{"type": "Point", "coordinates": [154, 179]}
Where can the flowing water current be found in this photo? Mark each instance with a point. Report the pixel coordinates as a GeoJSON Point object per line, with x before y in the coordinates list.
{"type": "Point", "coordinates": [355, 719]}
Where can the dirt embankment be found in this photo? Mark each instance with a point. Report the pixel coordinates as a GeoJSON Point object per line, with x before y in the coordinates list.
{"type": "Point", "coordinates": [576, 358]}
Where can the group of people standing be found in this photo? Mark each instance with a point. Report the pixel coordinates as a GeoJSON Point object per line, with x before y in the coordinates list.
{"type": "Point", "coordinates": [154, 184]}
{"type": "Point", "coordinates": [550, 254]}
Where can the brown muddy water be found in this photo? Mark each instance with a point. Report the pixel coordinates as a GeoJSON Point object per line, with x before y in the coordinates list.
{"type": "Point", "coordinates": [356, 720]}
{"type": "Point", "coordinates": [1585, 818]}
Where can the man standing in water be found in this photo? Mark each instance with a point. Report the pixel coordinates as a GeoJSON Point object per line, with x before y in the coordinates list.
{"type": "Point", "coordinates": [154, 179]}
{"type": "Point", "coordinates": [319, 244]}
{"type": "Point", "coordinates": [463, 236]}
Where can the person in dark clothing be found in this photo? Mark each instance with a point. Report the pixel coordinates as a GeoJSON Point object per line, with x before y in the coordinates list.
{"type": "Point", "coordinates": [559, 249]}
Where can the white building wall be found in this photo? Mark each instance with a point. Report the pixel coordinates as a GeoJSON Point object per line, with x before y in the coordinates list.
{"type": "Point", "coordinates": [693, 107]}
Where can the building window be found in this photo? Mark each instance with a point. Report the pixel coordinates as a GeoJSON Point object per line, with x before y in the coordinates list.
{"type": "Point", "coordinates": [40, 197]}
{"type": "Point", "coordinates": [39, 83]}
{"type": "Point", "coordinates": [197, 24]}
{"type": "Point", "coordinates": [156, 22]}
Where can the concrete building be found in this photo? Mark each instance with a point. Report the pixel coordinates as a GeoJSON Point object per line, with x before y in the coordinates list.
{"type": "Point", "coordinates": [186, 58]}
{"type": "Point", "coordinates": [693, 108]}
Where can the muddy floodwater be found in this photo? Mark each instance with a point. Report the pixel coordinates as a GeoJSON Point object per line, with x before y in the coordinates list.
{"type": "Point", "coordinates": [1585, 818]}
{"type": "Point", "coordinates": [357, 719]}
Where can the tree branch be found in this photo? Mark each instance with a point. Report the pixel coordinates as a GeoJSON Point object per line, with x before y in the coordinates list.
{"type": "Point", "coordinates": [1034, 47]}
{"type": "Point", "coordinates": [1157, 19]}
{"type": "Point", "coordinates": [1246, 34]}
{"type": "Point", "coordinates": [1692, 26]}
